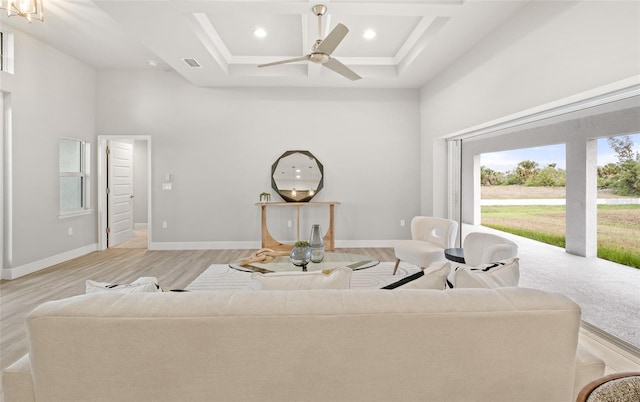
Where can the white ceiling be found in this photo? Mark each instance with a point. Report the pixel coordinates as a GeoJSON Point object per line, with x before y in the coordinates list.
{"type": "Point", "coordinates": [416, 39]}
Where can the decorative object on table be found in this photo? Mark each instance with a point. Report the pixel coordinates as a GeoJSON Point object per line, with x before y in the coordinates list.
{"type": "Point", "coordinates": [297, 176]}
{"type": "Point", "coordinates": [316, 243]}
{"type": "Point", "coordinates": [301, 254]}
{"type": "Point", "coordinates": [283, 264]}
{"type": "Point", "coordinates": [263, 255]}
{"type": "Point", "coordinates": [265, 197]}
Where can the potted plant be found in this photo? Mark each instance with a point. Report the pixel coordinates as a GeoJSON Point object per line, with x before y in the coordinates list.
{"type": "Point", "coordinates": [265, 197]}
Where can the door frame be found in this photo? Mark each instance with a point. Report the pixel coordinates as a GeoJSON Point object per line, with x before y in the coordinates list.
{"type": "Point", "coordinates": [102, 186]}
{"type": "Point", "coordinates": [4, 130]}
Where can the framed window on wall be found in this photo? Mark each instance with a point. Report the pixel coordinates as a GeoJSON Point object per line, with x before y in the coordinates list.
{"type": "Point", "coordinates": [6, 52]}
{"type": "Point", "coordinates": [74, 177]}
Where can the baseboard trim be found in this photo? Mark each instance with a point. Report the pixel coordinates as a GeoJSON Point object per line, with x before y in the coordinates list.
{"type": "Point", "coordinates": [209, 245]}
{"type": "Point", "coordinates": [614, 341]}
{"type": "Point", "coordinates": [618, 355]}
{"type": "Point", "coordinates": [138, 226]}
{"type": "Point", "coordinates": [365, 243]}
{"type": "Point", "coordinates": [17, 272]}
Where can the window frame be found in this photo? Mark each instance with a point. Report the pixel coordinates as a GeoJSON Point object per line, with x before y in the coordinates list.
{"type": "Point", "coordinates": [84, 174]}
{"type": "Point", "coordinates": [6, 51]}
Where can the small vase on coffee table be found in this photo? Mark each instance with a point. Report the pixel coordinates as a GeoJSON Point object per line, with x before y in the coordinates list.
{"type": "Point", "coordinates": [316, 243]}
{"type": "Point", "coordinates": [300, 256]}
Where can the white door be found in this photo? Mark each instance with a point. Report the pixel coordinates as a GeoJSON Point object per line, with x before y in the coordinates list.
{"type": "Point", "coordinates": [120, 192]}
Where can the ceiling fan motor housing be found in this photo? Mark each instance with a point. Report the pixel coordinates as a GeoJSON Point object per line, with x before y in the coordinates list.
{"type": "Point", "coordinates": [319, 58]}
{"type": "Point", "coordinates": [319, 9]}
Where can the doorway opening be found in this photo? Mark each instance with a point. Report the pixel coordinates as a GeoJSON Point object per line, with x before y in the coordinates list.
{"type": "Point", "coordinates": [124, 185]}
{"type": "Point", "coordinates": [523, 192]}
{"type": "Point", "coordinates": [619, 199]}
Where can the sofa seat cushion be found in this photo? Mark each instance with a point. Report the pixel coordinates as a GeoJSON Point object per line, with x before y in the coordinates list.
{"type": "Point", "coordinates": [418, 252]}
{"type": "Point", "coordinates": [588, 367]}
{"type": "Point", "coordinates": [17, 381]}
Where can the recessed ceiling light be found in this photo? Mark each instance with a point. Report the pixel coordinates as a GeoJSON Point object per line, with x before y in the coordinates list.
{"type": "Point", "coordinates": [369, 34]}
{"type": "Point", "coordinates": [260, 33]}
{"type": "Point", "coordinates": [152, 63]}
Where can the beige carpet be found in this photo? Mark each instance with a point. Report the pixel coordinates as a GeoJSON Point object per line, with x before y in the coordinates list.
{"type": "Point", "coordinates": [222, 277]}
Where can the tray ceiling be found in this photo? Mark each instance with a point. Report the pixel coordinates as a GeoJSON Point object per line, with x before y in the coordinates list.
{"type": "Point", "coordinates": [414, 40]}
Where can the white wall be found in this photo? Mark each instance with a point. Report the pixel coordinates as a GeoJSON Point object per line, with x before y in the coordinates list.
{"type": "Point", "coordinates": [219, 145]}
{"type": "Point", "coordinates": [549, 51]}
{"type": "Point", "coordinates": [52, 96]}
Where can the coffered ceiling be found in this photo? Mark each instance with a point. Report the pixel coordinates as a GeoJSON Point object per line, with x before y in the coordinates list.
{"type": "Point", "coordinates": [212, 43]}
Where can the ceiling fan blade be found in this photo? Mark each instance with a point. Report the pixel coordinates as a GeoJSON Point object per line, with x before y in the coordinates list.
{"type": "Point", "coordinates": [341, 69]}
{"type": "Point", "coordinates": [331, 42]}
{"type": "Point", "coordinates": [275, 63]}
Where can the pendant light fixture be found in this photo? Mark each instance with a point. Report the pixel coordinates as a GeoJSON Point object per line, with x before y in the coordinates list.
{"type": "Point", "coordinates": [29, 9]}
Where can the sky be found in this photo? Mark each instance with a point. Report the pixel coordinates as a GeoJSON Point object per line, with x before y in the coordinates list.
{"type": "Point", "coordinates": [508, 160]}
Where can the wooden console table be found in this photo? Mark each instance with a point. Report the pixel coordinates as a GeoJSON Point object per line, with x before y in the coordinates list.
{"type": "Point", "coordinates": [269, 242]}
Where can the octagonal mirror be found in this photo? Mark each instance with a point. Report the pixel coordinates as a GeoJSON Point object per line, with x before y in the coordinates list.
{"type": "Point", "coordinates": [297, 176]}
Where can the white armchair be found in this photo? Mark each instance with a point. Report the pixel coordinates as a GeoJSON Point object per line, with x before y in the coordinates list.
{"type": "Point", "coordinates": [482, 248]}
{"type": "Point", "coordinates": [429, 237]}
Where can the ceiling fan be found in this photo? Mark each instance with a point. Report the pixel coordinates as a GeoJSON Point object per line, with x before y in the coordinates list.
{"type": "Point", "coordinates": [322, 48]}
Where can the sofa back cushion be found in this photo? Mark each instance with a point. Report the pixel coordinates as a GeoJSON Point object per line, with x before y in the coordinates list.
{"type": "Point", "coordinates": [339, 278]}
{"type": "Point", "coordinates": [432, 277]}
{"type": "Point", "coordinates": [495, 345]}
{"type": "Point", "coordinates": [492, 275]}
{"type": "Point", "coordinates": [140, 285]}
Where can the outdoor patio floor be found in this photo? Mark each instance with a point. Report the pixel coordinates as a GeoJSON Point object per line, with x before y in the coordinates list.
{"type": "Point", "coordinates": [609, 293]}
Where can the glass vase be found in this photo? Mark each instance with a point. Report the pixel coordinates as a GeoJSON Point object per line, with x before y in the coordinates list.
{"type": "Point", "coordinates": [316, 243]}
{"type": "Point", "coordinates": [300, 257]}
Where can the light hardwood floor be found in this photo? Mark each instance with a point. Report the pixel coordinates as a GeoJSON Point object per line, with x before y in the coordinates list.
{"type": "Point", "coordinates": [174, 270]}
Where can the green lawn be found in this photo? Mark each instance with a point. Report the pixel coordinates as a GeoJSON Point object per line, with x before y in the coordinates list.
{"type": "Point", "coordinates": [618, 227]}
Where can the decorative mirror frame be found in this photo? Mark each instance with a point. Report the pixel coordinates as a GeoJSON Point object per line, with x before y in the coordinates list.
{"type": "Point", "coordinates": [286, 197]}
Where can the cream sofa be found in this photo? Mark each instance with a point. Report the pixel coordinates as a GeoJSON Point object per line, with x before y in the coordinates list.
{"type": "Point", "coordinates": [507, 344]}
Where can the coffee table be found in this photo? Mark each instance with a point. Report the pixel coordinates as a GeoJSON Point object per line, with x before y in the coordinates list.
{"type": "Point", "coordinates": [330, 261]}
